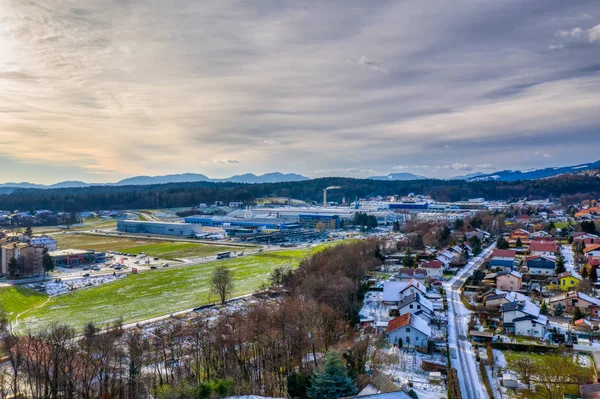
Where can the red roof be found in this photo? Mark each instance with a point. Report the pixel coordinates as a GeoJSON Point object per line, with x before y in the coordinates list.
{"type": "Point", "coordinates": [398, 322]}
{"type": "Point", "coordinates": [544, 246]}
{"type": "Point", "coordinates": [543, 239]}
{"type": "Point", "coordinates": [594, 260]}
{"type": "Point", "coordinates": [590, 248]}
{"type": "Point", "coordinates": [432, 264]}
{"type": "Point", "coordinates": [504, 253]}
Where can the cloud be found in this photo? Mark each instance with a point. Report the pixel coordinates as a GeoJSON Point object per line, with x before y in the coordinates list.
{"type": "Point", "coordinates": [458, 166]}
{"type": "Point", "coordinates": [404, 167]}
{"type": "Point", "coordinates": [374, 65]}
{"type": "Point", "coordinates": [485, 166]}
{"type": "Point", "coordinates": [354, 172]}
{"type": "Point", "coordinates": [226, 161]}
{"type": "Point", "coordinates": [542, 154]}
{"type": "Point", "coordinates": [136, 87]}
{"type": "Point", "coordinates": [578, 34]}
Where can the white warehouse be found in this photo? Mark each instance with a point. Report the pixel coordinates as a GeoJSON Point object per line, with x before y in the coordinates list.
{"type": "Point", "coordinates": [163, 228]}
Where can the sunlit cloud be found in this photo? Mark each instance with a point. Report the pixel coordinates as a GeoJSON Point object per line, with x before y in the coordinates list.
{"type": "Point", "coordinates": [107, 90]}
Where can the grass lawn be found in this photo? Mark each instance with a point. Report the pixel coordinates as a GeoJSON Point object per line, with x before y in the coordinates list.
{"type": "Point", "coordinates": [572, 389]}
{"type": "Point", "coordinates": [149, 294]}
{"type": "Point", "coordinates": [15, 300]}
{"type": "Point", "coordinates": [162, 249]}
{"type": "Point", "coordinates": [561, 225]}
{"type": "Point", "coordinates": [89, 223]}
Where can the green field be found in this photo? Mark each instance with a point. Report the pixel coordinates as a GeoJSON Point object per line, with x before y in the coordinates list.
{"type": "Point", "coordinates": [145, 295]}
{"type": "Point", "coordinates": [88, 224]}
{"type": "Point", "coordinates": [162, 249]}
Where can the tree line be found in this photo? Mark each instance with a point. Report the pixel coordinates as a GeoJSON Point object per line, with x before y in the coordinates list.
{"type": "Point", "coordinates": [190, 194]}
{"type": "Point", "coordinates": [270, 349]}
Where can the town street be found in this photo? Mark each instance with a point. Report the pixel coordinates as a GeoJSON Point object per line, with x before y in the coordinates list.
{"type": "Point", "coordinates": [462, 356]}
{"type": "Point", "coordinates": [567, 253]}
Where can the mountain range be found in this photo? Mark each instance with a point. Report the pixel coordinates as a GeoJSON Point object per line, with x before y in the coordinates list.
{"type": "Point", "coordinates": [534, 174]}
{"type": "Point", "coordinates": [277, 177]}
{"type": "Point", "coordinates": [274, 177]}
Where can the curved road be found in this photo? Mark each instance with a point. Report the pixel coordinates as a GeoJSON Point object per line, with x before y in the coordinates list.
{"type": "Point", "coordinates": [462, 355]}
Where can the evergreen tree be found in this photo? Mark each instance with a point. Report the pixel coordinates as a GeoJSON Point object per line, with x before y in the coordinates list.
{"type": "Point", "coordinates": [476, 243]}
{"type": "Point", "coordinates": [570, 239]}
{"type": "Point", "coordinates": [544, 308]}
{"type": "Point", "coordinates": [560, 265]}
{"type": "Point", "coordinates": [593, 274]}
{"type": "Point", "coordinates": [559, 310]}
{"type": "Point", "coordinates": [519, 243]}
{"type": "Point", "coordinates": [47, 262]}
{"type": "Point", "coordinates": [332, 381]}
{"type": "Point", "coordinates": [501, 243]}
{"type": "Point", "coordinates": [13, 266]}
{"type": "Point", "coordinates": [578, 314]}
{"type": "Point", "coordinates": [28, 231]}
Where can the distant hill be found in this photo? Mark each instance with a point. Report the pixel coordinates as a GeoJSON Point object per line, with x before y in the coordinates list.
{"type": "Point", "coordinates": [178, 178]}
{"type": "Point", "coordinates": [399, 176]}
{"type": "Point", "coordinates": [467, 176]}
{"type": "Point", "coordinates": [274, 177]}
{"type": "Point", "coordinates": [533, 174]}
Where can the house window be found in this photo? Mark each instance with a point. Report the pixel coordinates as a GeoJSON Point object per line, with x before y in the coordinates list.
{"type": "Point", "coordinates": [407, 329]}
{"type": "Point", "coordinates": [410, 306]}
{"type": "Point", "coordinates": [418, 306]}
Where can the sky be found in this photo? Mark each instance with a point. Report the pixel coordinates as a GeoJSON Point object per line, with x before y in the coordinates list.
{"type": "Point", "coordinates": [99, 90]}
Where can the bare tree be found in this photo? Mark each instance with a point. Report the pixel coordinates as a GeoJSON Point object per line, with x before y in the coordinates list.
{"type": "Point", "coordinates": [221, 282]}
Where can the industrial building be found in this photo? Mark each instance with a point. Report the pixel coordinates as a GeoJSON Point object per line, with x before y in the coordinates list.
{"type": "Point", "coordinates": [310, 220]}
{"type": "Point", "coordinates": [252, 224]}
{"type": "Point", "coordinates": [76, 257]}
{"type": "Point", "coordinates": [163, 228]}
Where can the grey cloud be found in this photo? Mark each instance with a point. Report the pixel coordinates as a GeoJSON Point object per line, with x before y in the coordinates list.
{"type": "Point", "coordinates": [267, 84]}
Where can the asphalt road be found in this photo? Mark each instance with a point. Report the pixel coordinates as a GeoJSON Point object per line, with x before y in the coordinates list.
{"type": "Point", "coordinates": [462, 355]}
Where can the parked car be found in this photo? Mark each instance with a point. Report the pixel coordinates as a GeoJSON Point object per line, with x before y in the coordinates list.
{"type": "Point", "coordinates": [153, 267]}
{"type": "Point", "coordinates": [86, 275]}
{"type": "Point", "coordinates": [165, 265]}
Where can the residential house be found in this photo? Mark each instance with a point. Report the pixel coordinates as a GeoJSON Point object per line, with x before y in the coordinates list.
{"type": "Point", "coordinates": [574, 299]}
{"type": "Point", "coordinates": [375, 383]}
{"type": "Point", "coordinates": [395, 291]}
{"type": "Point", "coordinates": [521, 234]}
{"type": "Point", "coordinates": [45, 242]}
{"type": "Point", "coordinates": [541, 265]}
{"type": "Point", "coordinates": [569, 281]}
{"type": "Point", "coordinates": [586, 238]}
{"type": "Point", "coordinates": [543, 247]}
{"type": "Point", "coordinates": [509, 280]}
{"type": "Point", "coordinates": [503, 258]}
{"type": "Point", "coordinates": [386, 395]}
{"type": "Point", "coordinates": [416, 304]}
{"type": "Point", "coordinates": [405, 273]}
{"type": "Point", "coordinates": [524, 318]}
{"type": "Point", "coordinates": [540, 235]}
{"type": "Point", "coordinates": [502, 297]}
{"type": "Point", "coordinates": [434, 269]}
{"type": "Point", "coordinates": [420, 275]}
{"type": "Point", "coordinates": [408, 331]}
{"type": "Point", "coordinates": [591, 250]}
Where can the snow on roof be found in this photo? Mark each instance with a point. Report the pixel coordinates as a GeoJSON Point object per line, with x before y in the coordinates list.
{"type": "Point", "coordinates": [411, 320]}
{"type": "Point", "coordinates": [392, 289]}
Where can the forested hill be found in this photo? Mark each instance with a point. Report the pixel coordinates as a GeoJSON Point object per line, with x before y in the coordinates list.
{"type": "Point", "coordinates": [190, 194]}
